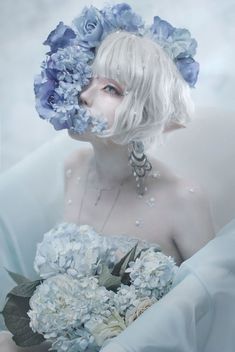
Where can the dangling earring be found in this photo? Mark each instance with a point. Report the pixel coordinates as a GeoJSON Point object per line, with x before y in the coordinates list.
{"type": "Point", "coordinates": [140, 164]}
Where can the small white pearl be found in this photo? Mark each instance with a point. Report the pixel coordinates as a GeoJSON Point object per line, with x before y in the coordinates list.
{"type": "Point", "coordinates": [138, 185]}
{"type": "Point", "coordinates": [139, 222]}
{"type": "Point", "coordinates": [69, 201]}
{"type": "Point", "coordinates": [146, 189]}
{"type": "Point", "coordinates": [152, 199]}
{"type": "Point", "coordinates": [156, 174]}
{"type": "Point", "coordinates": [191, 190]}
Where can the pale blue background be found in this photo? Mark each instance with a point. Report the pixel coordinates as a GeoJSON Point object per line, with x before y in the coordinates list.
{"type": "Point", "coordinates": [26, 23]}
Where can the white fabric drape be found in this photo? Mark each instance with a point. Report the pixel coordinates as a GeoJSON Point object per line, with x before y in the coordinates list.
{"type": "Point", "coordinates": [197, 315]}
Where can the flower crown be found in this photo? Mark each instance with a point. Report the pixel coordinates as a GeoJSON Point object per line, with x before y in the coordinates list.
{"type": "Point", "coordinates": [66, 69]}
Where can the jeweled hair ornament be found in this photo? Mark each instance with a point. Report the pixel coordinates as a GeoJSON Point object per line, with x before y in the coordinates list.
{"type": "Point", "coordinates": [66, 70]}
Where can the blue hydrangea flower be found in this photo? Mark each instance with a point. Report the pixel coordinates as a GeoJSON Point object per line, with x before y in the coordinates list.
{"type": "Point", "coordinates": [72, 249]}
{"type": "Point", "coordinates": [62, 305]}
{"type": "Point", "coordinates": [70, 307]}
{"type": "Point", "coordinates": [122, 16]}
{"type": "Point", "coordinates": [152, 273]}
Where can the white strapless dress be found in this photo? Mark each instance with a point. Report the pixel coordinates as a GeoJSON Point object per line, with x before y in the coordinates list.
{"type": "Point", "coordinates": [197, 315]}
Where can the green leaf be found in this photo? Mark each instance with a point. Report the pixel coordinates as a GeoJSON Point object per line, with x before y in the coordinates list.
{"type": "Point", "coordinates": [108, 280]}
{"type": "Point", "coordinates": [19, 279]}
{"type": "Point", "coordinates": [25, 289]}
{"type": "Point", "coordinates": [120, 267]}
{"type": "Point", "coordinates": [17, 322]}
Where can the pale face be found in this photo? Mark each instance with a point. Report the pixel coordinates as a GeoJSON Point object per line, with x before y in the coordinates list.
{"type": "Point", "coordinates": [101, 98]}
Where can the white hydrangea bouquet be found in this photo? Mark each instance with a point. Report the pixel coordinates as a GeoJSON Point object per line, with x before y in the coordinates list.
{"type": "Point", "coordinates": [89, 290]}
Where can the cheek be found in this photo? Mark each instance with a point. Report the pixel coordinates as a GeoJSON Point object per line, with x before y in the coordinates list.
{"type": "Point", "coordinates": [109, 109]}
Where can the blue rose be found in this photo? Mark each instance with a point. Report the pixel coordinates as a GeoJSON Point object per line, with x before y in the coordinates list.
{"type": "Point", "coordinates": [189, 69]}
{"type": "Point", "coordinates": [91, 27]}
{"type": "Point", "coordinates": [161, 29]}
{"type": "Point", "coordinates": [60, 37]}
{"type": "Point", "coordinates": [121, 16]}
{"type": "Point", "coordinates": [45, 97]}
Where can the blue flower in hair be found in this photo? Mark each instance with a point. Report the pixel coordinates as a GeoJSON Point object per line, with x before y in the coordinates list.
{"type": "Point", "coordinates": [179, 45]}
{"type": "Point", "coordinates": [91, 27]}
{"type": "Point", "coordinates": [60, 37]}
{"type": "Point", "coordinates": [189, 69]}
{"type": "Point", "coordinates": [161, 29]}
{"type": "Point", "coordinates": [66, 71]}
{"type": "Point", "coordinates": [122, 16]}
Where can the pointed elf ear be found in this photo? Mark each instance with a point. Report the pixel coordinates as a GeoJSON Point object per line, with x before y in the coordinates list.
{"type": "Point", "coordinates": [173, 126]}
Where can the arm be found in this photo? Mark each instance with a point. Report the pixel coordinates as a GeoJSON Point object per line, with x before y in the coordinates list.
{"type": "Point", "coordinates": [192, 221]}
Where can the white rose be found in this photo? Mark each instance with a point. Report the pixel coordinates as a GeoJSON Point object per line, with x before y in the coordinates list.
{"type": "Point", "coordinates": [133, 313]}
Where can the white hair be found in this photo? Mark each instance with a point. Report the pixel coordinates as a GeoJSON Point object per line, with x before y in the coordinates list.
{"type": "Point", "coordinates": [156, 92]}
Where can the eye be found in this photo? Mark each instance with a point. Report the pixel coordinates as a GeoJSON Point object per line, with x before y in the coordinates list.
{"type": "Point", "coordinates": [111, 90]}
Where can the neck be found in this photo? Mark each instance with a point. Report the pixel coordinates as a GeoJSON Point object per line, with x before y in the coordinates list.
{"type": "Point", "coordinates": [110, 165]}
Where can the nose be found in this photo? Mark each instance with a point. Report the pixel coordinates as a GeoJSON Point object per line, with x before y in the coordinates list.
{"type": "Point", "coordinates": [87, 95]}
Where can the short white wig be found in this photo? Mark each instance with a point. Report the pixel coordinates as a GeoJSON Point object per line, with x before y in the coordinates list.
{"type": "Point", "coordinates": [157, 94]}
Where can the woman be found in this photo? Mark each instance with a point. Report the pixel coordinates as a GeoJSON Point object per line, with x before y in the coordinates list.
{"type": "Point", "coordinates": [117, 187]}
{"type": "Point", "coordinates": [172, 211]}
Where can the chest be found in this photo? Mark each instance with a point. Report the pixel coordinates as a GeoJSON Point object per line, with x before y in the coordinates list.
{"type": "Point", "coordinates": [122, 211]}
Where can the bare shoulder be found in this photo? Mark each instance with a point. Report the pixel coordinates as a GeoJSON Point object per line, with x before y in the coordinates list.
{"type": "Point", "coordinates": [192, 219]}
{"type": "Point", "coordinates": [187, 205]}
{"type": "Point", "coordinates": [188, 191]}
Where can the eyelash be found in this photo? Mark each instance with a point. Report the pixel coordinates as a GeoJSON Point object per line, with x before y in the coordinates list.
{"type": "Point", "coordinates": [116, 91]}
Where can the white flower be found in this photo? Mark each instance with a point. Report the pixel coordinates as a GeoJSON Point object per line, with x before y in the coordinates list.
{"type": "Point", "coordinates": [76, 250]}
{"type": "Point", "coordinates": [62, 303]}
{"type": "Point", "coordinates": [152, 273]}
{"type": "Point", "coordinates": [134, 312]}
{"type": "Point", "coordinates": [126, 296]}
{"type": "Point", "coordinates": [106, 328]}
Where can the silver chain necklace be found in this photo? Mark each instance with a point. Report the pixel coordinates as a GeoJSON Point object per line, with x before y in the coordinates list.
{"type": "Point", "coordinates": [98, 198]}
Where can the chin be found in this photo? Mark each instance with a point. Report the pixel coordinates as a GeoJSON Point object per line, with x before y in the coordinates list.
{"type": "Point", "coordinates": [86, 137]}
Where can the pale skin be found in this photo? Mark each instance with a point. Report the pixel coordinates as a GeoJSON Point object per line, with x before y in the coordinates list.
{"type": "Point", "coordinates": [180, 221]}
